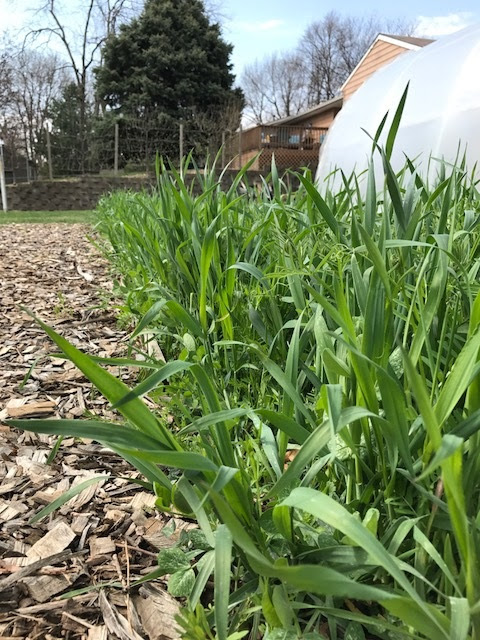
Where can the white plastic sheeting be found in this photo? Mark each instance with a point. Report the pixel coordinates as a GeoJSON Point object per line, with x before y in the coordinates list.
{"type": "Point", "coordinates": [442, 110]}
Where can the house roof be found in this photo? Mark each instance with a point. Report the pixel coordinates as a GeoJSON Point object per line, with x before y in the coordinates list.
{"type": "Point", "coordinates": [407, 42]}
{"type": "Point", "coordinates": [319, 108]}
{"type": "Point", "coordinates": [419, 42]}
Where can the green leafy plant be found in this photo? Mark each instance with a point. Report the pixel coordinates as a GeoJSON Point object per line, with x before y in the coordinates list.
{"type": "Point", "coordinates": [322, 373]}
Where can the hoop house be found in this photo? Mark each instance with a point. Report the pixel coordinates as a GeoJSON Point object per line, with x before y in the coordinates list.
{"type": "Point", "coordinates": [441, 117]}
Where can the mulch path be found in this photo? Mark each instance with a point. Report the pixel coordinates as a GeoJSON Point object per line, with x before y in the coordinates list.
{"type": "Point", "coordinates": [109, 533]}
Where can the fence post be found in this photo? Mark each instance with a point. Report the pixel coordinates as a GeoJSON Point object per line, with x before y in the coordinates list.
{"type": "Point", "coordinates": [240, 146]}
{"type": "Point", "coordinates": [181, 144]}
{"type": "Point", "coordinates": [3, 186]}
{"type": "Point", "coordinates": [49, 156]}
{"type": "Point", "coordinates": [223, 149]}
{"type": "Point", "coordinates": [115, 158]}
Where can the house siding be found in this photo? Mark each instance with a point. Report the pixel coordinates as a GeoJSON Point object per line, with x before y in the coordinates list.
{"type": "Point", "coordinates": [381, 54]}
{"type": "Point", "coordinates": [323, 120]}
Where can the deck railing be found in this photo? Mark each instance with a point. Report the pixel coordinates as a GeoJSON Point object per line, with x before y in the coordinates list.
{"type": "Point", "coordinates": [275, 137]}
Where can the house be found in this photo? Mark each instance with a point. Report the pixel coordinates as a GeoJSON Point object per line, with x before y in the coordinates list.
{"type": "Point", "coordinates": [295, 141]}
{"type": "Point", "coordinates": [383, 50]}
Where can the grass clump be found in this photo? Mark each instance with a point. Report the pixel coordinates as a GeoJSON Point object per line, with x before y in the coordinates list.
{"type": "Point", "coordinates": [47, 217]}
{"type": "Point", "coordinates": [323, 373]}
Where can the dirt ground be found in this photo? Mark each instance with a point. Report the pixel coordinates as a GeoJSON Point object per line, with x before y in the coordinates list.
{"type": "Point", "coordinates": [108, 534]}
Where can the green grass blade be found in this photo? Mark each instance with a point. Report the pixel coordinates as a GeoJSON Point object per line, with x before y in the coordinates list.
{"type": "Point", "coordinates": [153, 380]}
{"type": "Point", "coordinates": [314, 578]}
{"type": "Point", "coordinates": [425, 543]}
{"type": "Point", "coordinates": [223, 561]}
{"type": "Point", "coordinates": [222, 434]}
{"type": "Point", "coordinates": [460, 619]}
{"type": "Point", "coordinates": [113, 389]}
{"type": "Point", "coordinates": [208, 249]}
{"type": "Point", "coordinates": [178, 313]}
{"type": "Point", "coordinates": [287, 386]}
{"type": "Point", "coordinates": [206, 570]}
{"type": "Point", "coordinates": [310, 448]}
{"type": "Point", "coordinates": [285, 424]}
{"type": "Point", "coordinates": [65, 497]}
{"type": "Point", "coordinates": [328, 510]}
{"type": "Point", "coordinates": [459, 379]}
{"type": "Point", "coordinates": [322, 206]}
{"type": "Point", "coordinates": [377, 260]}
{"type": "Point", "coordinates": [392, 133]}
{"type": "Point", "coordinates": [148, 318]}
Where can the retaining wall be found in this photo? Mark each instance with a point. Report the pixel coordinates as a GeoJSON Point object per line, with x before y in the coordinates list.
{"type": "Point", "coordinates": [84, 193]}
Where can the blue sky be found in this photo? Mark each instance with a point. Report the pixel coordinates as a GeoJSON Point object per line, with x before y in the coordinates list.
{"type": "Point", "coordinates": [259, 27]}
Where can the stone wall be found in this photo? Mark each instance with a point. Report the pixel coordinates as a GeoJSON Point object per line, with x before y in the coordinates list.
{"type": "Point", "coordinates": [84, 193]}
{"type": "Point", "coordinates": [68, 195]}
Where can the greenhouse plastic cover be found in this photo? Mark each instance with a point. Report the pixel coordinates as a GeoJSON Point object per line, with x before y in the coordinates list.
{"type": "Point", "coordinates": [442, 111]}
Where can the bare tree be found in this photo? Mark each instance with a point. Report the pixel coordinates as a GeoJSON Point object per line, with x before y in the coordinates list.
{"type": "Point", "coordinates": [275, 87]}
{"type": "Point", "coordinates": [320, 55]}
{"type": "Point", "coordinates": [114, 13]}
{"type": "Point", "coordinates": [6, 71]}
{"type": "Point", "coordinates": [332, 47]}
{"type": "Point", "coordinates": [215, 10]}
{"type": "Point", "coordinates": [204, 134]}
{"type": "Point", "coordinates": [29, 82]}
{"type": "Point", "coordinates": [37, 80]}
{"type": "Point", "coordinates": [82, 46]}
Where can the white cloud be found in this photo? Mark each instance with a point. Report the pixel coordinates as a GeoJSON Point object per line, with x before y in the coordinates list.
{"type": "Point", "coordinates": [255, 27]}
{"type": "Point", "coordinates": [436, 26]}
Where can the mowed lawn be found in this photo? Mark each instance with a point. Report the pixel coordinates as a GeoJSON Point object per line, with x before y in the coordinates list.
{"type": "Point", "coordinates": [44, 217]}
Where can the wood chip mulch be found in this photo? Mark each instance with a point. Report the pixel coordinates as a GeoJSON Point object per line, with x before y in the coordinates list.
{"type": "Point", "coordinates": [109, 533]}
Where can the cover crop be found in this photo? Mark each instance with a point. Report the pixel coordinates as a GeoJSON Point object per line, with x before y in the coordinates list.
{"type": "Point", "coordinates": [322, 370]}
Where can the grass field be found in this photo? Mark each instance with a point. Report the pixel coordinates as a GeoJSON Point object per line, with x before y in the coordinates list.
{"type": "Point", "coordinates": [45, 217]}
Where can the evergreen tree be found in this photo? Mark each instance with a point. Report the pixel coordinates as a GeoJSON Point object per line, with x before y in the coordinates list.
{"type": "Point", "coordinates": [71, 132]}
{"type": "Point", "coordinates": [168, 65]}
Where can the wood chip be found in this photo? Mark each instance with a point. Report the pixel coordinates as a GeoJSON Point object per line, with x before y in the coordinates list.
{"type": "Point", "coordinates": [35, 566]}
{"type": "Point", "coordinates": [43, 408]}
{"type": "Point", "coordinates": [50, 606]}
{"type": "Point", "coordinates": [42, 588]}
{"type": "Point", "coordinates": [79, 523]}
{"type": "Point", "coordinates": [102, 546]}
{"type": "Point", "coordinates": [143, 501]}
{"type": "Point", "coordinates": [11, 511]}
{"type": "Point", "coordinates": [41, 268]}
{"type": "Point", "coordinates": [115, 622]}
{"type": "Point", "coordinates": [98, 633]}
{"type": "Point", "coordinates": [52, 542]}
{"type": "Point", "coordinates": [157, 610]}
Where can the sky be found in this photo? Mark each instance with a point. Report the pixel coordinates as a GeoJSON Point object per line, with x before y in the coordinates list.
{"type": "Point", "coordinates": [259, 27]}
